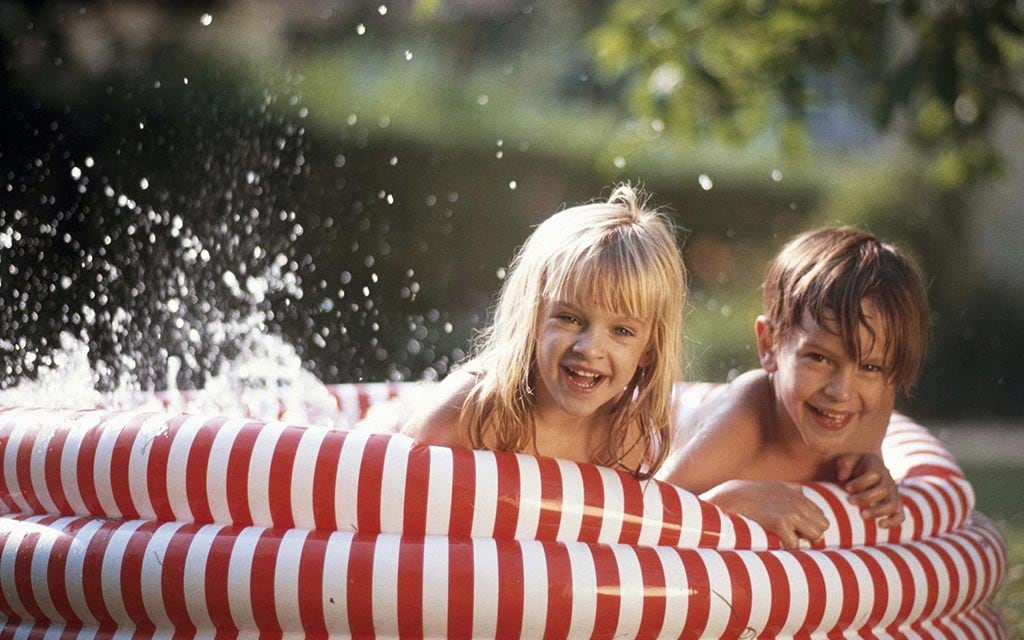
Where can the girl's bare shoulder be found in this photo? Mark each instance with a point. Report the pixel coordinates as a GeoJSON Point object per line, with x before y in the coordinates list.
{"type": "Point", "coordinates": [439, 418]}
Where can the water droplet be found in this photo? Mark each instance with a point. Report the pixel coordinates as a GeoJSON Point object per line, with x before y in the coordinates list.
{"type": "Point", "coordinates": [351, 120]}
{"type": "Point", "coordinates": [76, 173]}
{"type": "Point", "coordinates": [360, 29]}
{"type": "Point", "coordinates": [206, 19]}
{"type": "Point", "coordinates": [501, 273]}
{"type": "Point", "coordinates": [512, 185]}
{"type": "Point", "coordinates": [408, 54]}
{"type": "Point", "coordinates": [776, 175]}
{"type": "Point", "coordinates": [89, 162]}
{"type": "Point", "coordinates": [482, 99]}
{"type": "Point", "coordinates": [705, 182]}
{"type": "Point", "coordinates": [393, 161]}
{"type": "Point", "coordinates": [144, 184]}
{"type": "Point", "coordinates": [382, 9]}
{"type": "Point", "coordinates": [619, 162]}
{"type": "Point", "coordinates": [499, 155]}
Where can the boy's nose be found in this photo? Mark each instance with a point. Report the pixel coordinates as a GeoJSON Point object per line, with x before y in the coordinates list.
{"type": "Point", "coordinates": [839, 385]}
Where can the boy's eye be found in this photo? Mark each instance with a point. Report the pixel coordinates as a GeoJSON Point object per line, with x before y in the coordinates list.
{"type": "Point", "coordinates": [872, 368]}
{"type": "Point", "coordinates": [816, 357]}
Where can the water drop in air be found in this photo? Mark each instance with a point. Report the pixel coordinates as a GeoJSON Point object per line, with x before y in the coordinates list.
{"type": "Point", "coordinates": [620, 162]}
{"type": "Point", "coordinates": [206, 20]}
{"type": "Point", "coordinates": [705, 182]}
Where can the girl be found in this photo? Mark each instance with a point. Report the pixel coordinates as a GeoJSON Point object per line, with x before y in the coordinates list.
{"type": "Point", "coordinates": [585, 345]}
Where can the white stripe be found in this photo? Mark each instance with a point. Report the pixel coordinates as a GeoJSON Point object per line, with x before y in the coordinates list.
{"type": "Point", "coordinates": [435, 585]}
{"type": "Point", "coordinates": [286, 579]}
{"type": "Point", "coordinates": [831, 535]}
{"type": "Point", "coordinates": [335, 582]}
{"type": "Point", "coordinates": [614, 505]}
{"type": "Point", "coordinates": [14, 489]}
{"type": "Point", "coordinates": [439, 490]}
{"type": "Point", "coordinates": [385, 584]}
{"type": "Point", "coordinates": [631, 588]}
{"type": "Point", "coordinates": [177, 468]}
{"type": "Point", "coordinates": [573, 496]}
{"type": "Point", "coordinates": [102, 465]}
{"type": "Point", "coordinates": [260, 462]}
{"type": "Point", "coordinates": [74, 569]}
{"type": "Point", "coordinates": [138, 463]}
{"type": "Point", "coordinates": [893, 586]}
{"type": "Point", "coordinates": [864, 590]}
{"type": "Point", "coordinates": [960, 571]}
{"type": "Point", "coordinates": [48, 534]}
{"type": "Point", "coordinates": [392, 488]}
{"type": "Point", "coordinates": [584, 593]}
{"type": "Point", "coordinates": [720, 593]}
{"type": "Point", "coordinates": [692, 520]}
{"type": "Point", "coordinates": [677, 592]}
{"type": "Point", "coordinates": [941, 517]}
{"type": "Point", "coordinates": [917, 578]}
{"type": "Point", "coordinates": [833, 597]}
{"type": "Point", "coordinates": [217, 469]}
{"type": "Point", "coordinates": [799, 592]}
{"type": "Point", "coordinates": [653, 517]}
{"type": "Point", "coordinates": [486, 497]}
{"type": "Point", "coordinates": [8, 554]}
{"type": "Point", "coordinates": [727, 537]}
{"type": "Point", "coordinates": [485, 588]}
{"type": "Point", "coordinates": [195, 569]}
{"type": "Point", "coordinates": [113, 561]}
{"type": "Point", "coordinates": [303, 474]}
{"type": "Point", "coordinates": [348, 399]}
{"type": "Point", "coordinates": [37, 467]}
{"type": "Point", "coordinates": [77, 429]}
{"type": "Point", "coordinates": [761, 591]}
{"type": "Point", "coordinates": [152, 574]}
{"type": "Point", "coordinates": [240, 577]}
{"type": "Point", "coordinates": [535, 589]}
{"type": "Point", "coordinates": [22, 631]}
{"type": "Point", "coordinates": [346, 483]}
{"type": "Point", "coordinates": [531, 501]}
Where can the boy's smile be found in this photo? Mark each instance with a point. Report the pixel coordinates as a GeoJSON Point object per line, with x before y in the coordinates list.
{"type": "Point", "coordinates": [823, 396]}
{"type": "Point", "coordinates": [585, 357]}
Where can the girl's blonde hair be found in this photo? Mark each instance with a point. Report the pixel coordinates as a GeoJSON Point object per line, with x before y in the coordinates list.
{"type": "Point", "coordinates": [623, 257]}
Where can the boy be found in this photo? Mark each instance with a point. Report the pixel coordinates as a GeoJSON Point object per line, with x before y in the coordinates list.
{"type": "Point", "coordinates": [845, 328]}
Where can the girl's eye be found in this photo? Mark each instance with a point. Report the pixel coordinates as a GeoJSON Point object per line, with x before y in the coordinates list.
{"type": "Point", "coordinates": [568, 317]}
{"type": "Point", "coordinates": [625, 332]}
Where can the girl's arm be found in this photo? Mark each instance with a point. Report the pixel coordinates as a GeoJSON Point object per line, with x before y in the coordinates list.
{"type": "Point", "coordinates": [439, 419]}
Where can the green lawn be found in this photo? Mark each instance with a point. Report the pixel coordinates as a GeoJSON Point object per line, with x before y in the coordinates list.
{"type": "Point", "coordinates": [999, 489]}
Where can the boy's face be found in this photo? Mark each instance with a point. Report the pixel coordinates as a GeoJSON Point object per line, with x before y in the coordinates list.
{"type": "Point", "coordinates": [835, 403]}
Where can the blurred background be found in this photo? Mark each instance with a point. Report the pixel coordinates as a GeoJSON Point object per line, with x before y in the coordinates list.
{"type": "Point", "coordinates": [350, 179]}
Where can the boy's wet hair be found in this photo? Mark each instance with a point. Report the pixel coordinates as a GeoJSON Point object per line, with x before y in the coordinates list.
{"type": "Point", "coordinates": [619, 255]}
{"type": "Point", "coordinates": [829, 272]}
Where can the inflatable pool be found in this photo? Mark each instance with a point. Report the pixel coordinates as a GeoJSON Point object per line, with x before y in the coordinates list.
{"type": "Point", "coordinates": [149, 522]}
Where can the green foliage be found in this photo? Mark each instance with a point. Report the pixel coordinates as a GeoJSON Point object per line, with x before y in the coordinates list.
{"type": "Point", "coordinates": [734, 69]}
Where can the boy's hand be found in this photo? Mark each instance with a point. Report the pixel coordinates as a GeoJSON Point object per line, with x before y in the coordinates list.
{"type": "Point", "coordinates": [871, 487]}
{"type": "Point", "coordinates": [779, 507]}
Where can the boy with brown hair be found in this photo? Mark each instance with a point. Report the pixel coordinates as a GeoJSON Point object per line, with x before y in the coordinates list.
{"type": "Point", "coordinates": [845, 327]}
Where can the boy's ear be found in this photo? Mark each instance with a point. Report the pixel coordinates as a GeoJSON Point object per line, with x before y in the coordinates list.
{"type": "Point", "coordinates": [765, 344]}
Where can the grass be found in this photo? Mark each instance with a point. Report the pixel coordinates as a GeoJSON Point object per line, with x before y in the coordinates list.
{"type": "Point", "coordinates": [998, 488]}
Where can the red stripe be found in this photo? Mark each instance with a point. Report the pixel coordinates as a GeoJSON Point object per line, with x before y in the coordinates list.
{"type": "Point", "coordinates": [510, 589]}
{"type": "Point", "coordinates": [23, 575]}
{"type": "Point", "coordinates": [311, 584]}
{"type": "Point", "coordinates": [363, 396]}
{"type": "Point", "coordinates": [197, 468]}
{"type": "Point", "coordinates": [710, 526]}
{"type": "Point", "coordinates": [742, 531]}
{"type": "Point", "coordinates": [975, 589]}
{"type": "Point", "coordinates": [262, 581]}
{"type": "Point", "coordinates": [237, 480]}
{"type": "Point", "coordinates": [92, 572]}
{"type": "Point", "coordinates": [840, 515]}
{"type": "Point", "coordinates": [879, 587]}
{"type": "Point", "coordinates": [417, 490]}
{"type": "Point", "coordinates": [593, 503]}
{"type": "Point", "coordinates": [951, 578]}
{"type": "Point", "coordinates": [914, 518]}
{"type": "Point", "coordinates": [560, 588]}
{"type": "Point", "coordinates": [282, 467]}
{"type": "Point", "coordinates": [325, 474]}
{"type": "Point", "coordinates": [672, 516]}
{"type": "Point", "coordinates": [510, 491]}
{"type": "Point", "coordinates": [551, 497]}
{"type": "Point", "coordinates": [84, 469]}
{"type": "Point", "coordinates": [120, 467]}
{"type": "Point", "coordinates": [741, 602]}
{"type": "Point", "coordinates": [850, 592]}
{"type": "Point", "coordinates": [945, 523]}
{"type": "Point", "coordinates": [933, 506]}
{"type": "Point", "coordinates": [633, 509]}
{"type": "Point", "coordinates": [905, 594]}
{"type": "Point", "coordinates": [359, 600]}
{"type": "Point", "coordinates": [54, 484]}
{"type": "Point", "coordinates": [23, 467]}
{"type": "Point", "coordinates": [216, 577]}
{"type": "Point", "coordinates": [698, 608]}
{"type": "Point", "coordinates": [156, 469]}
{"type": "Point", "coordinates": [371, 479]}
{"type": "Point", "coordinates": [131, 576]}
{"type": "Point", "coordinates": [780, 594]}
{"type": "Point", "coordinates": [817, 594]}
{"type": "Point", "coordinates": [460, 588]}
{"type": "Point", "coordinates": [56, 567]}
{"type": "Point", "coordinates": [5, 491]}
{"type": "Point", "coordinates": [410, 586]}
{"type": "Point", "coordinates": [460, 521]}
{"type": "Point", "coordinates": [653, 618]}
{"type": "Point", "coordinates": [172, 579]}
{"type": "Point", "coordinates": [609, 588]}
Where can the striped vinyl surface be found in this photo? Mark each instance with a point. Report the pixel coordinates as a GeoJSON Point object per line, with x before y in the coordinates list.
{"type": "Point", "coordinates": [163, 523]}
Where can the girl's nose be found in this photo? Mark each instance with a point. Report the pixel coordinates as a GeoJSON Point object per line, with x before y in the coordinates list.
{"type": "Point", "coordinates": [587, 344]}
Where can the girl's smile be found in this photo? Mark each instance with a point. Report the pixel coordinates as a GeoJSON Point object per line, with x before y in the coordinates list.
{"type": "Point", "coordinates": [586, 356]}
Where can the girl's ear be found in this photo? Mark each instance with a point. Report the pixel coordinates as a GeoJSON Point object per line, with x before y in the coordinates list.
{"type": "Point", "coordinates": [647, 359]}
{"type": "Point", "coordinates": [766, 344]}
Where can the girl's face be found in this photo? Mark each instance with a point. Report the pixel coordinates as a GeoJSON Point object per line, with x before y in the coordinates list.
{"type": "Point", "coordinates": [585, 357]}
{"type": "Point", "coordinates": [831, 401]}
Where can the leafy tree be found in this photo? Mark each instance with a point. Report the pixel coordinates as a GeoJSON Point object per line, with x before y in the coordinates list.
{"type": "Point", "coordinates": [935, 70]}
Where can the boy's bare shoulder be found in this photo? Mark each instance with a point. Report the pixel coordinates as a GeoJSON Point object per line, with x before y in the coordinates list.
{"type": "Point", "coordinates": [739, 408]}
{"type": "Point", "coordinates": [439, 417]}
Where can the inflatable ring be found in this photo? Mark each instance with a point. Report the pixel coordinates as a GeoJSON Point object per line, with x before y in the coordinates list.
{"type": "Point", "coordinates": [159, 523]}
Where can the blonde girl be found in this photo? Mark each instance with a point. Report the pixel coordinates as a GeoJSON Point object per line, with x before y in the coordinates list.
{"type": "Point", "coordinates": [584, 346]}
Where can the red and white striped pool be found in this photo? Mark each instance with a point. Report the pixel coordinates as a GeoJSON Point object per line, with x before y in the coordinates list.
{"type": "Point", "coordinates": [151, 524]}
